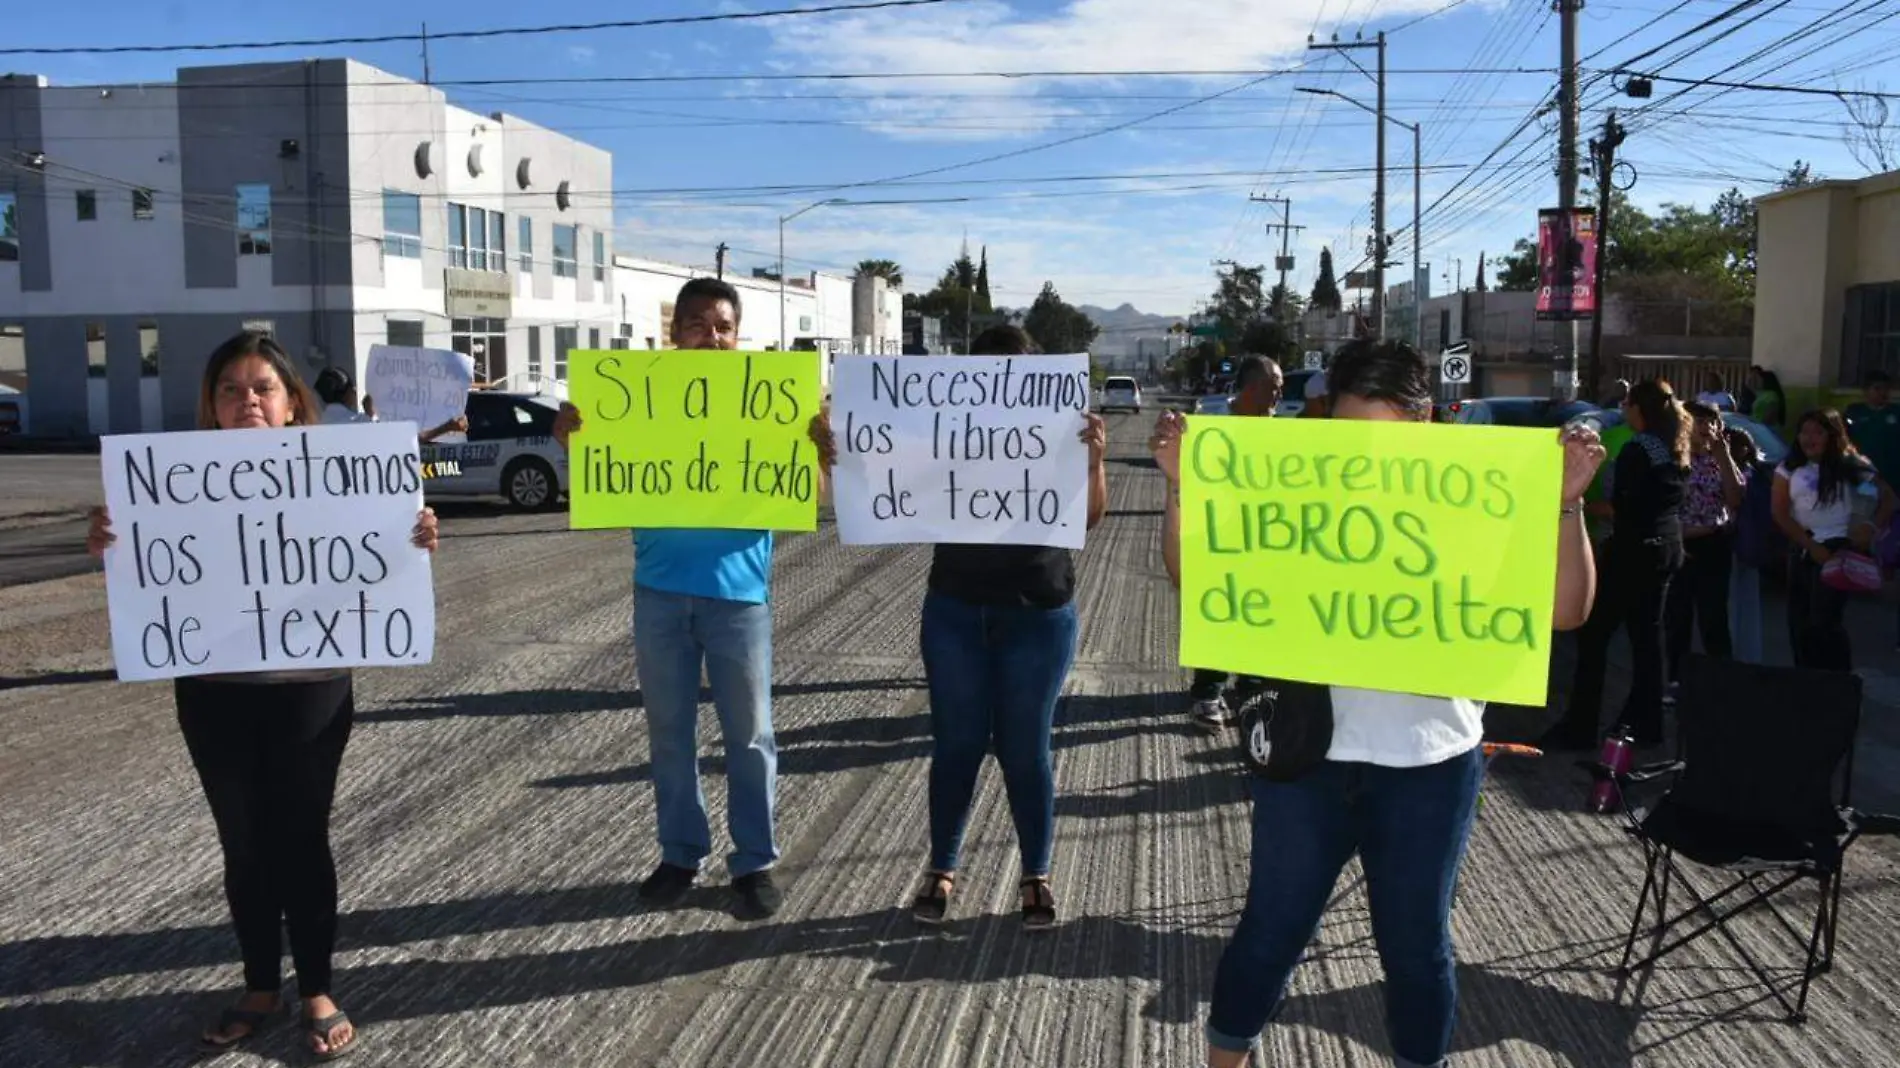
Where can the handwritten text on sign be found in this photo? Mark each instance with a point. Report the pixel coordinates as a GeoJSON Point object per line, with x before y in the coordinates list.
{"type": "Point", "coordinates": [971, 449]}
{"type": "Point", "coordinates": [266, 550]}
{"type": "Point", "coordinates": [427, 387]}
{"type": "Point", "coordinates": [1410, 557]}
{"type": "Point", "coordinates": [694, 439]}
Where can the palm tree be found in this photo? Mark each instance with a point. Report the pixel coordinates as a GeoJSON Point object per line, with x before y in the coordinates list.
{"type": "Point", "coordinates": [885, 269]}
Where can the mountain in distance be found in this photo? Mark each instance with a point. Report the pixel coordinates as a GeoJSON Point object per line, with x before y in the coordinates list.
{"type": "Point", "coordinates": [1122, 326]}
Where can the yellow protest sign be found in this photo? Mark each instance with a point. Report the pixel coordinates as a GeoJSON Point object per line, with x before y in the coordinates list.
{"type": "Point", "coordinates": [1412, 557]}
{"type": "Point", "coordinates": [694, 439]}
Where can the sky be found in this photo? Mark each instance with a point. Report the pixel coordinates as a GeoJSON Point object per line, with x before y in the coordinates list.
{"type": "Point", "coordinates": [1119, 188]}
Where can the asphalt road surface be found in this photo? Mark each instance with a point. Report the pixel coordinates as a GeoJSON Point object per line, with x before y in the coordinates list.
{"type": "Point", "coordinates": [495, 813]}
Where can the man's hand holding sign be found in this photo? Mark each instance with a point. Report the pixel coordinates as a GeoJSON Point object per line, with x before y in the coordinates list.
{"type": "Point", "coordinates": [1382, 555]}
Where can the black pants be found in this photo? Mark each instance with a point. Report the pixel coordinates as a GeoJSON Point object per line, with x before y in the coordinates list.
{"type": "Point", "coordinates": [1698, 599]}
{"type": "Point", "coordinates": [1208, 685]}
{"type": "Point", "coordinates": [1817, 627]}
{"type": "Point", "coordinates": [267, 754]}
{"type": "Point", "coordinates": [1632, 590]}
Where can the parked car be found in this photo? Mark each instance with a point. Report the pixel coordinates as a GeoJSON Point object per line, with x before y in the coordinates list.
{"type": "Point", "coordinates": [509, 452]}
{"type": "Point", "coordinates": [1293, 395]}
{"type": "Point", "coordinates": [1516, 411]}
{"type": "Point", "coordinates": [1768, 440]}
{"type": "Point", "coordinates": [1214, 404]}
{"type": "Point", "coordinates": [1121, 392]}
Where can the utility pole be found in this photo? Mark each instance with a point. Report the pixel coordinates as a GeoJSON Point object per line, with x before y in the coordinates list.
{"type": "Point", "coordinates": [719, 259]}
{"type": "Point", "coordinates": [1286, 228]}
{"type": "Point", "coordinates": [1603, 153]}
{"type": "Point", "coordinates": [1563, 383]}
{"type": "Point", "coordinates": [425, 53]}
{"type": "Point", "coordinates": [1378, 241]}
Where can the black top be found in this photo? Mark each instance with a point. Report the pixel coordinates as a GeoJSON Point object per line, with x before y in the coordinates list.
{"type": "Point", "coordinates": [1646, 491]}
{"type": "Point", "coordinates": [1004, 576]}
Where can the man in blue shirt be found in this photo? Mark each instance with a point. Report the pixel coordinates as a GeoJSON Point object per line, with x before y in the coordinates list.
{"type": "Point", "coordinates": [703, 597]}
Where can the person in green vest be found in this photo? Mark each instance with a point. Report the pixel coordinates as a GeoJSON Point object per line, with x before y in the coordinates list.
{"type": "Point", "coordinates": [1874, 426]}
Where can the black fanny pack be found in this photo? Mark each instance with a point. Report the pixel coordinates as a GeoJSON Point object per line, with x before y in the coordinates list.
{"type": "Point", "coordinates": [1286, 728]}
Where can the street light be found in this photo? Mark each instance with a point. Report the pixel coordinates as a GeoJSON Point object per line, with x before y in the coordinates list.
{"type": "Point", "coordinates": [1418, 207]}
{"type": "Point", "coordinates": [782, 220]}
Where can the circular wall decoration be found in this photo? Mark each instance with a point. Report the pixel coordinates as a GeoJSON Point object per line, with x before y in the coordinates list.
{"type": "Point", "coordinates": [560, 196]}
{"type": "Point", "coordinates": [424, 167]}
{"type": "Point", "coordinates": [475, 161]}
{"type": "Point", "coordinates": [521, 172]}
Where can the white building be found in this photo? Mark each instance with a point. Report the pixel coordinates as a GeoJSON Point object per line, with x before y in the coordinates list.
{"type": "Point", "coordinates": [331, 203]}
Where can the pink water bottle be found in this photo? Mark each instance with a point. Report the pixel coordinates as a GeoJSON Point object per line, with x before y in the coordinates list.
{"type": "Point", "coordinates": [1618, 752]}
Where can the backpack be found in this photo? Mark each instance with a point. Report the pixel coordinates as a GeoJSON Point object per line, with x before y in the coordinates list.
{"type": "Point", "coordinates": [1759, 543]}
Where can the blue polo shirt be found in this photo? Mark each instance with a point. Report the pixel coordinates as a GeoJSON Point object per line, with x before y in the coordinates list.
{"type": "Point", "coordinates": [727, 565]}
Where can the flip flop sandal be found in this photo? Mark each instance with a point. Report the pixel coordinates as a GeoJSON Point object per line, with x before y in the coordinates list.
{"type": "Point", "coordinates": [251, 1019]}
{"type": "Point", "coordinates": [933, 902]}
{"type": "Point", "coordinates": [1040, 915]}
{"type": "Point", "coordinates": [324, 1028]}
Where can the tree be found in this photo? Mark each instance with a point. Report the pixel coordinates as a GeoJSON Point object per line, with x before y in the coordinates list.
{"type": "Point", "coordinates": [1326, 287]}
{"type": "Point", "coordinates": [954, 300]}
{"type": "Point", "coordinates": [885, 269]}
{"type": "Point", "coordinates": [983, 283]}
{"type": "Point", "coordinates": [1264, 337]}
{"type": "Point", "coordinates": [1057, 325]}
{"type": "Point", "coordinates": [1284, 304]}
{"type": "Point", "coordinates": [1238, 300]}
{"type": "Point", "coordinates": [1517, 270]}
{"type": "Point", "coordinates": [1799, 175]}
{"type": "Point", "coordinates": [1870, 140]}
{"type": "Point", "coordinates": [1480, 282]}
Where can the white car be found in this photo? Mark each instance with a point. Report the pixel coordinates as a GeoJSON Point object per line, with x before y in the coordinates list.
{"type": "Point", "coordinates": [1120, 391]}
{"type": "Point", "coordinates": [509, 451]}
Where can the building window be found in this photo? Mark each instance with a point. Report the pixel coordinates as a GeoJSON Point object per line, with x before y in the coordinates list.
{"type": "Point", "coordinates": [566, 340]}
{"type": "Point", "coordinates": [600, 256]}
{"type": "Point", "coordinates": [485, 341]}
{"type": "Point", "coordinates": [593, 339]}
{"type": "Point", "coordinates": [525, 243]}
{"type": "Point", "coordinates": [458, 236]}
{"type": "Point", "coordinates": [148, 349]}
{"type": "Point", "coordinates": [624, 338]}
{"type": "Point", "coordinates": [95, 350]}
{"type": "Point", "coordinates": [497, 241]}
{"type": "Point", "coordinates": [405, 333]}
{"type": "Point", "coordinates": [253, 219]}
{"type": "Point", "coordinates": [142, 200]}
{"type": "Point", "coordinates": [1870, 338]}
{"type": "Point", "coordinates": [9, 228]}
{"type": "Point", "coordinates": [534, 352]}
{"type": "Point", "coordinates": [402, 225]}
{"type": "Point", "coordinates": [566, 261]}
{"type": "Point", "coordinates": [86, 201]}
{"type": "Point", "coordinates": [477, 239]}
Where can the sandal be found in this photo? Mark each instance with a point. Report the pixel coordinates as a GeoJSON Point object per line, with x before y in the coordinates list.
{"type": "Point", "coordinates": [1039, 908]}
{"type": "Point", "coordinates": [933, 902]}
{"type": "Point", "coordinates": [252, 1020]}
{"type": "Point", "coordinates": [326, 1027]}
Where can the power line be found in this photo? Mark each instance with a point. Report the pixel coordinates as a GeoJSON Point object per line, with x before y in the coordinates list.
{"type": "Point", "coordinates": [468, 35]}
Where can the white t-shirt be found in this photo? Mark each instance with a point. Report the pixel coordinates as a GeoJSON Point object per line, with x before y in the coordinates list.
{"type": "Point", "coordinates": [1721, 399]}
{"type": "Point", "coordinates": [339, 413]}
{"type": "Point", "coordinates": [1825, 520]}
{"type": "Point", "coordinates": [1402, 730]}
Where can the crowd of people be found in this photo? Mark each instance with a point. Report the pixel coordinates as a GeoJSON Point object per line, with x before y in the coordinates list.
{"type": "Point", "coordinates": [1693, 517]}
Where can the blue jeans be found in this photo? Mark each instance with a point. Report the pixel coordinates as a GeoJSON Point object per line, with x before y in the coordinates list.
{"type": "Point", "coordinates": [673, 635]}
{"type": "Point", "coordinates": [995, 675]}
{"type": "Point", "coordinates": [1409, 827]}
{"type": "Point", "coordinates": [1744, 612]}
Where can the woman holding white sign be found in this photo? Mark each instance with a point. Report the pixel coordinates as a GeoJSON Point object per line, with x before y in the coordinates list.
{"type": "Point", "coordinates": [267, 747]}
{"type": "Point", "coordinates": [1392, 777]}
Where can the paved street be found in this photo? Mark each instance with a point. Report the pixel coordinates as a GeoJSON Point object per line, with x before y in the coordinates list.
{"type": "Point", "coordinates": [495, 812]}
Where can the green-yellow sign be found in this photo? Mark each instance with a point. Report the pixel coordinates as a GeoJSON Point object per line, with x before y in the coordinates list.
{"type": "Point", "coordinates": [1414, 557]}
{"type": "Point", "coordinates": [694, 439]}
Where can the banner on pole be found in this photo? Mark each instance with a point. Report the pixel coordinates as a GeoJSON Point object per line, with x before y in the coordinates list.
{"type": "Point", "coordinates": [266, 550]}
{"type": "Point", "coordinates": [694, 439]}
{"type": "Point", "coordinates": [1410, 557]}
{"type": "Point", "coordinates": [1566, 263]}
{"type": "Point", "coordinates": [981, 450]}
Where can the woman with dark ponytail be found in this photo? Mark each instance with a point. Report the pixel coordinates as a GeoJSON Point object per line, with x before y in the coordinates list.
{"type": "Point", "coordinates": [1815, 495]}
{"type": "Point", "coordinates": [1645, 489]}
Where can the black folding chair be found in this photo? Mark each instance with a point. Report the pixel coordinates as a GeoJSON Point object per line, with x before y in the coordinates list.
{"type": "Point", "coordinates": [1761, 792]}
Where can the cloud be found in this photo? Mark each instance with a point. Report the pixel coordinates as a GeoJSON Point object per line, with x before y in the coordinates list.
{"type": "Point", "coordinates": [1082, 35]}
{"type": "Point", "coordinates": [581, 54]}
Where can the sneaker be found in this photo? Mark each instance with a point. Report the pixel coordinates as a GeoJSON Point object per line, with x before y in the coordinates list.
{"type": "Point", "coordinates": [1212, 715]}
{"type": "Point", "coordinates": [667, 884]}
{"type": "Point", "coordinates": [759, 897]}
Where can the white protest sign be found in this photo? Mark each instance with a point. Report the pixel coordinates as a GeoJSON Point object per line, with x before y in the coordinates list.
{"type": "Point", "coordinates": [266, 550]}
{"type": "Point", "coordinates": [427, 387]}
{"type": "Point", "coordinates": [982, 450]}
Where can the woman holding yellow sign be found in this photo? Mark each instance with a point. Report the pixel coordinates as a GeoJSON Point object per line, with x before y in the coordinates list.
{"type": "Point", "coordinates": [1392, 777]}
